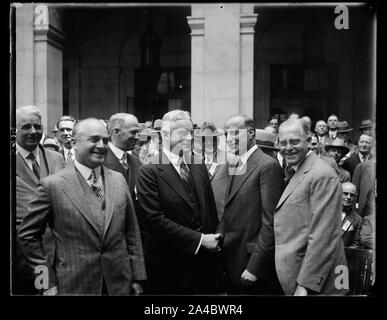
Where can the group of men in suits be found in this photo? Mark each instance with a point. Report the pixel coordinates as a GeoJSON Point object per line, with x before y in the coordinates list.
{"type": "Point", "coordinates": [183, 223]}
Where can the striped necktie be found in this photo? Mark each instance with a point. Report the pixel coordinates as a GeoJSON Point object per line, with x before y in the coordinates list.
{"type": "Point", "coordinates": [97, 187]}
{"type": "Point", "coordinates": [124, 161]}
{"type": "Point", "coordinates": [184, 171]}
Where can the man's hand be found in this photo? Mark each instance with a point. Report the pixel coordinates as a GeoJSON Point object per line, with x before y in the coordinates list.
{"type": "Point", "coordinates": [51, 292]}
{"type": "Point", "coordinates": [136, 289]}
{"type": "Point", "coordinates": [248, 279]}
{"type": "Point", "coordinates": [211, 241]}
{"type": "Point", "coordinates": [301, 291]}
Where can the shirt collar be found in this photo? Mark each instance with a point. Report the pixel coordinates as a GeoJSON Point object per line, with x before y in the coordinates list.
{"type": "Point", "coordinates": [116, 151]}
{"type": "Point", "coordinates": [173, 158]}
{"type": "Point", "coordinates": [244, 157]}
{"type": "Point", "coordinates": [296, 166]}
{"type": "Point", "coordinates": [86, 171]}
{"type": "Point", "coordinates": [25, 153]}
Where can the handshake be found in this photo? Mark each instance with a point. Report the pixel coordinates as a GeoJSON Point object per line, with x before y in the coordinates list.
{"type": "Point", "coordinates": [213, 242]}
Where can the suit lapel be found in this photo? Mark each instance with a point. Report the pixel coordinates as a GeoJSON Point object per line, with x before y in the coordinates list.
{"type": "Point", "coordinates": [24, 171]}
{"type": "Point", "coordinates": [109, 198]}
{"type": "Point", "coordinates": [74, 191]}
{"type": "Point", "coordinates": [238, 180]}
{"type": "Point", "coordinates": [297, 178]}
{"type": "Point", "coordinates": [172, 178]}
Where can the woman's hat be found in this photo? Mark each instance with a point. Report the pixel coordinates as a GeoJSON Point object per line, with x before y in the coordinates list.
{"type": "Point", "coordinates": [337, 143]}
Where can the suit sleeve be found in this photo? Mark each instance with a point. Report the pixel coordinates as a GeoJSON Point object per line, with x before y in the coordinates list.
{"type": "Point", "coordinates": [31, 231]}
{"type": "Point", "coordinates": [271, 186]}
{"type": "Point", "coordinates": [133, 240]}
{"type": "Point", "coordinates": [181, 238]}
{"type": "Point", "coordinates": [324, 231]}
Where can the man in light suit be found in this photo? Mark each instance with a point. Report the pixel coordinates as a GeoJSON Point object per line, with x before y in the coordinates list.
{"type": "Point", "coordinates": [308, 244]}
{"type": "Point", "coordinates": [177, 200]}
{"type": "Point", "coordinates": [255, 185]}
{"type": "Point", "coordinates": [123, 130]}
{"type": "Point", "coordinates": [28, 174]}
{"type": "Point", "coordinates": [91, 215]}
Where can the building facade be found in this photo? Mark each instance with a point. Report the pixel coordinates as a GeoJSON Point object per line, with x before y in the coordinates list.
{"type": "Point", "coordinates": [213, 60]}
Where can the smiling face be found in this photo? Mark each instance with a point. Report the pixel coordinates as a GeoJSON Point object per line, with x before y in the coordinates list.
{"type": "Point", "coordinates": [90, 143]}
{"type": "Point", "coordinates": [293, 140]}
{"type": "Point", "coordinates": [125, 136]}
{"type": "Point", "coordinates": [239, 139]}
{"type": "Point", "coordinates": [336, 153]}
{"type": "Point", "coordinates": [29, 131]}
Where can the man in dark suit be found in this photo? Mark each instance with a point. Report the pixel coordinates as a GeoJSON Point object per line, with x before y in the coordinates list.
{"type": "Point", "coordinates": [91, 215]}
{"type": "Point", "coordinates": [33, 162]}
{"type": "Point", "coordinates": [332, 126]}
{"type": "Point", "coordinates": [308, 244]}
{"type": "Point", "coordinates": [365, 145]}
{"type": "Point", "coordinates": [350, 219]}
{"type": "Point", "coordinates": [123, 130]}
{"type": "Point", "coordinates": [176, 197]}
{"type": "Point", "coordinates": [364, 177]}
{"type": "Point", "coordinates": [255, 185]}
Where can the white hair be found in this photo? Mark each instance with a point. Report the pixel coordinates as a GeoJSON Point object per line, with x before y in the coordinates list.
{"type": "Point", "coordinates": [34, 110]}
{"type": "Point", "coordinates": [171, 117]}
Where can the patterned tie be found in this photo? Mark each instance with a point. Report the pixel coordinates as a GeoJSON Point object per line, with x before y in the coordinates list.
{"type": "Point", "coordinates": [68, 156]}
{"type": "Point", "coordinates": [97, 187]}
{"type": "Point", "coordinates": [35, 165]}
{"type": "Point", "coordinates": [184, 171]}
{"type": "Point", "coordinates": [289, 174]}
{"type": "Point", "coordinates": [124, 161]}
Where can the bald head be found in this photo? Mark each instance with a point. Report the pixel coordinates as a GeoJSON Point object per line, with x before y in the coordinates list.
{"type": "Point", "coordinates": [349, 194]}
{"type": "Point", "coordinates": [29, 127]}
{"type": "Point", "coordinates": [27, 110]}
{"type": "Point", "coordinates": [90, 139]}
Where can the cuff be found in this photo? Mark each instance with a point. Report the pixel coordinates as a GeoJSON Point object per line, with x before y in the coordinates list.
{"type": "Point", "coordinates": [200, 243]}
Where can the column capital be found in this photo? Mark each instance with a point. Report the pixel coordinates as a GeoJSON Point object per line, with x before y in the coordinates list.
{"type": "Point", "coordinates": [197, 25]}
{"type": "Point", "coordinates": [52, 35]}
{"type": "Point", "coordinates": [247, 23]}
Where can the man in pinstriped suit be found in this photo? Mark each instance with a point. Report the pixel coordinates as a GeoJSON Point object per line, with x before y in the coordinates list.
{"type": "Point", "coordinates": [91, 215]}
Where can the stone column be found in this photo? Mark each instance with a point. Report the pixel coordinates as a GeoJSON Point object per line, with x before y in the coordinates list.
{"type": "Point", "coordinates": [222, 61]}
{"type": "Point", "coordinates": [48, 64]}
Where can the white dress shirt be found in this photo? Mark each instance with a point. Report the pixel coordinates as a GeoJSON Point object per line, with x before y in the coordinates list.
{"type": "Point", "coordinates": [86, 172]}
{"type": "Point", "coordinates": [116, 151]}
{"type": "Point", "coordinates": [25, 153]}
{"type": "Point", "coordinates": [66, 154]}
{"type": "Point", "coordinates": [175, 160]}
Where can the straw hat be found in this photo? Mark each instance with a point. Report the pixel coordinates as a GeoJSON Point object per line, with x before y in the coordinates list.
{"type": "Point", "coordinates": [265, 140]}
{"type": "Point", "coordinates": [343, 126]}
{"type": "Point", "coordinates": [365, 124]}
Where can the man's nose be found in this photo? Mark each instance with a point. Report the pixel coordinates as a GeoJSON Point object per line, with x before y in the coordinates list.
{"type": "Point", "coordinates": [100, 143]}
{"type": "Point", "coordinates": [32, 130]}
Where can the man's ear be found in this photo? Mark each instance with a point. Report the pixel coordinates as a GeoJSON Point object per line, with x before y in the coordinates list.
{"type": "Point", "coordinates": [74, 143]}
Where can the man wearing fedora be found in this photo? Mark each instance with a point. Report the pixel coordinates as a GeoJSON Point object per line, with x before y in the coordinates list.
{"type": "Point", "coordinates": [366, 127]}
{"type": "Point", "coordinates": [343, 132]}
{"type": "Point", "coordinates": [266, 141]}
{"type": "Point", "coordinates": [336, 150]}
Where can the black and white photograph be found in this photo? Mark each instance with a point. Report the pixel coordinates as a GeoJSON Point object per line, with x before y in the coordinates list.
{"type": "Point", "coordinates": [193, 149]}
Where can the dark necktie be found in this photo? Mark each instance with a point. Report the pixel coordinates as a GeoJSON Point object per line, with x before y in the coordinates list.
{"type": "Point", "coordinates": [124, 161]}
{"type": "Point", "coordinates": [289, 174]}
{"type": "Point", "coordinates": [184, 171]}
{"type": "Point", "coordinates": [35, 165]}
{"type": "Point", "coordinates": [97, 187]}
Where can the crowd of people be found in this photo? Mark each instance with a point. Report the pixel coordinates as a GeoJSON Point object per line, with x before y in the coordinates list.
{"type": "Point", "coordinates": [118, 207]}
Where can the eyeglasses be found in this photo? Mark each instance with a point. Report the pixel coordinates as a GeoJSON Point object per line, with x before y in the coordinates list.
{"type": "Point", "coordinates": [293, 142]}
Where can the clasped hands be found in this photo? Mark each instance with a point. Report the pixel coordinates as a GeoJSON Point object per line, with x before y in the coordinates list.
{"type": "Point", "coordinates": [213, 242]}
